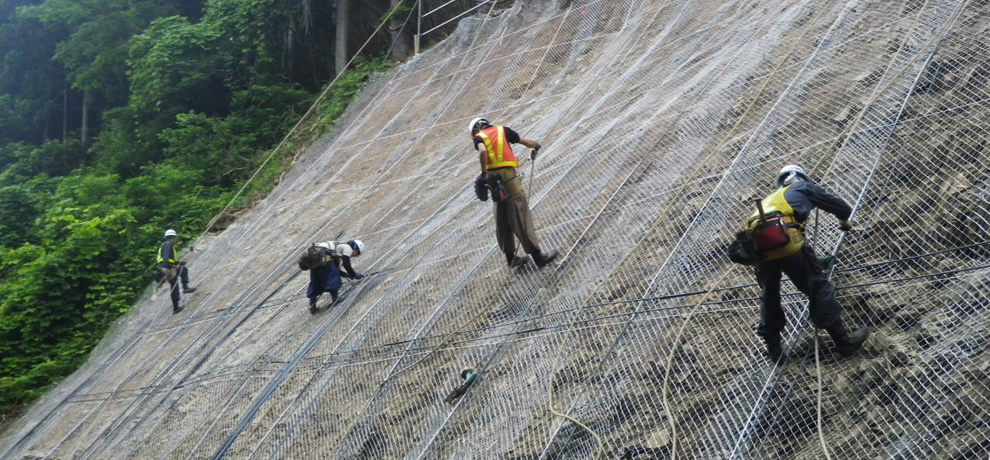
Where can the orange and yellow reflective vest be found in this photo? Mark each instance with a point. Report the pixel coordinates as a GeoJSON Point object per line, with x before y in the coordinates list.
{"type": "Point", "coordinates": [500, 154]}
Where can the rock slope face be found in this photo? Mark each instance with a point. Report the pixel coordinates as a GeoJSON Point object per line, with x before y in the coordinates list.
{"type": "Point", "coordinates": [662, 122]}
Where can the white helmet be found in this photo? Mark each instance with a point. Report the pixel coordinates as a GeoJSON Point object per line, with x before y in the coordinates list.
{"type": "Point", "coordinates": [478, 124]}
{"type": "Point", "coordinates": [359, 245]}
{"type": "Point", "coordinates": [790, 174]}
{"type": "Point", "coordinates": [170, 233]}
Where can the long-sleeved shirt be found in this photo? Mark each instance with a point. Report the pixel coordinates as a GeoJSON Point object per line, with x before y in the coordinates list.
{"type": "Point", "coordinates": [804, 197]}
{"type": "Point", "coordinates": [167, 254]}
{"type": "Point", "coordinates": [341, 253]}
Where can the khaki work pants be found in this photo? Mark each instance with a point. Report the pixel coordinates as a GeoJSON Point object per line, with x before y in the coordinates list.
{"type": "Point", "coordinates": [512, 218]}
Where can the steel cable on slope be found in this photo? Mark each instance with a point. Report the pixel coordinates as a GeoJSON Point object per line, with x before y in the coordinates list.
{"type": "Point", "coordinates": [119, 385]}
{"type": "Point", "coordinates": [204, 347]}
{"type": "Point", "coordinates": [561, 267]}
{"type": "Point", "coordinates": [941, 276]}
{"type": "Point", "coordinates": [446, 351]}
{"type": "Point", "coordinates": [515, 336]}
{"type": "Point", "coordinates": [222, 323]}
{"type": "Point", "coordinates": [288, 368]}
{"type": "Point", "coordinates": [133, 407]}
{"type": "Point", "coordinates": [807, 63]}
{"type": "Point", "coordinates": [680, 190]}
{"type": "Point", "coordinates": [328, 185]}
{"type": "Point", "coordinates": [390, 372]}
{"type": "Point", "coordinates": [284, 140]}
{"type": "Point", "coordinates": [395, 163]}
{"type": "Point", "coordinates": [465, 279]}
{"type": "Point", "coordinates": [674, 347]}
{"type": "Point", "coordinates": [935, 40]}
{"type": "Point", "coordinates": [841, 140]}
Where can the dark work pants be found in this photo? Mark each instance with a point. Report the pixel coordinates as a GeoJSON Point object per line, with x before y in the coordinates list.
{"type": "Point", "coordinates": [182, 274]}
{"type": "Point", "coordinates": [512, 217]}
{"type": "Point", "coordinates": [803, 270]}
{"type": "Point", "coordinates": [326, 278]}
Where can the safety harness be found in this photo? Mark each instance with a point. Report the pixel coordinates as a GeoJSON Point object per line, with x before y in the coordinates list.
{"type": "Point", "coordinates": [775, 230]}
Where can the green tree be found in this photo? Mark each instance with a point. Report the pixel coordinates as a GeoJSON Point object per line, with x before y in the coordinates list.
{"type": "Point", "coordinates": [31, 84]}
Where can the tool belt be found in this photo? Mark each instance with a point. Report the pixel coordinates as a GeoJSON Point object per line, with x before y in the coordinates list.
{"type": "Point", "coordinates": [159, 274]}
{"type": "Point", "coordinates": [777, 237]}
{"type": "Point", "coordinates": [504, 183]}
{"type": "Point", "coordinates": [497, 187]}
{"type": "Point", "coordinates": [743, 250]}
{"type": "Point", "coordinates": [162, 273]}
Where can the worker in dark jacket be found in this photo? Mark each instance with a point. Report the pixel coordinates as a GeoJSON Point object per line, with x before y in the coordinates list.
{"type": "Point", "coordinates": [169, 265]}
{"type": "Point", "coordinates": [498, 173]}
{"type": "Point", "coordinates": [324, 268]}
{"type": "Point", "coordinates": [778, 230]}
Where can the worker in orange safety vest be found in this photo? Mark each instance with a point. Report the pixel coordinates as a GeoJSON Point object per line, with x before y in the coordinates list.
{"type": "Point", "coordinates": [498, 175]}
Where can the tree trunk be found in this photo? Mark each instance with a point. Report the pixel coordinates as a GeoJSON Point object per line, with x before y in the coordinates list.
{"type": "Point", "coordinates": [340, 43]}
{"type": "Point", "coordinates": [65, 110]}
{"type": "Point", "coordinates": [85, 117]}
{"type": "Point", "coordinates": [401, 38]}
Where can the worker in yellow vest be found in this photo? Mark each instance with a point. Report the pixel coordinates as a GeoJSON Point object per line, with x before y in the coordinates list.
{"type": "Point", "coordinates": [778, 230]}
{"type": "Point", "coordinates": [172, 269]}
{"type": "Point", "coordinates": [498, 175]}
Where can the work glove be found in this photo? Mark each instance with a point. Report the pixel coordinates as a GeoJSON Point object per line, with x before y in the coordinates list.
{"type": "Point", "coordinates": [358, 276]}
{"type": "Point", "coordinates": [481, 187]}
{"type": "Point", "coordinates": [845, 225]}
{"type": "Point", "coordinates": [535, 151]}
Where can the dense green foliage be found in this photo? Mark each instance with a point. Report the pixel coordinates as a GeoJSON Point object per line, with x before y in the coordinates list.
{"type": "Point", "coordinates": [120, 119]}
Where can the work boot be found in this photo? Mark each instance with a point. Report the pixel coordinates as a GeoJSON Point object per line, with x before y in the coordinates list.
{"type": "Point", "coordinates": [542, 259]}
{"type": "Point", "coordinates": [187, 289]}
{"type": "Point", "coordinates": [774, 349]}
{"type": "Point", "coordinates": [847, 344]}
{"type": "Point", "coordinates": [518, 261]}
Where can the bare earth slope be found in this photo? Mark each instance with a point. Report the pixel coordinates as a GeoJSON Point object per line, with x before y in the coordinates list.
{"type": "Point", "coordinates": [662, 121]}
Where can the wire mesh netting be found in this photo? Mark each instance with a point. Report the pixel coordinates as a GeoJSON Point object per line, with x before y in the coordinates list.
{"type": "Point", "coordinates": [662, 122]}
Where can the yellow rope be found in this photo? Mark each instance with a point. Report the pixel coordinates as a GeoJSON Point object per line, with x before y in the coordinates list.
{"type": "Point", "coordinates": [670, 362]}
{"type": "Point", "coordinates": [697, 169]}
{"type": "Point", "coordinates": [675, 347]}
{"type": "Point", "coordinates": [836, 146]}
{"type": "Point", "coordinates": [473, 318]}
{"type": "Point", "coordinates": [818, 366]}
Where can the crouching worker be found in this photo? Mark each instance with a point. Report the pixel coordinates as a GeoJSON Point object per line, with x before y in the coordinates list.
{"type": "Point", "coordinates": [774, 242]}
{"type": "Point", "coordinates": [324, 260]}
{"type": "Point", "coordinates": [169, 268]}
